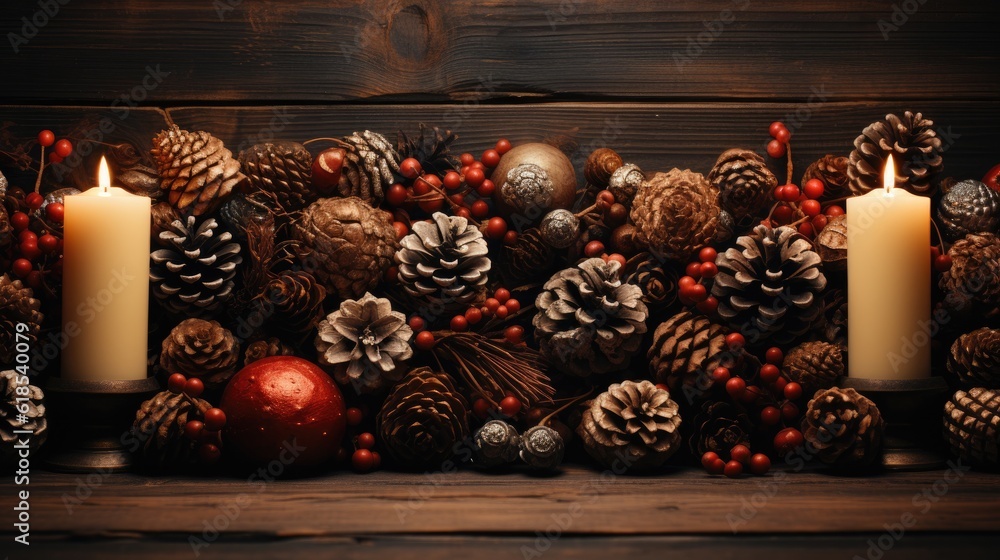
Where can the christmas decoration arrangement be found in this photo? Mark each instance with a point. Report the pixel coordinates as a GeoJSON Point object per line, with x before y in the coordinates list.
{"type": "Point", "coordinates": [357, 302]}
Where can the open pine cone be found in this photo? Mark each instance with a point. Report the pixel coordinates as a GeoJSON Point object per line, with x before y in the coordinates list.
{"type": "Point", "coordinates": [656, 278]}
{"type": "Point", "coordinates": [744, 183]}
{"type": "Point", "coordinates": [370, 164]}
{"type": "Point", "coordinates": [260, 349]}
{"type": "Point", "coordinates": [968, 207]}
{"type": "Point", "coordinates": [769, 286]}
{"type": "Point", "coordinates": [366, 342]}
{"type": "Point", "coordinates": [686, 348]}
{"type": "Point", "coordinates": [632, 424]}
{"type": "Point", "coordinates": [975, 358]}
{"type": "Point", "coordinates": [588, 320]}
{"type": "Point", "coordinates": [22, 407]}
{"type": "Point", "coordinates": [159, 428]}
{"type": "Point", "coordinates": [203, 349]}
{"type": "Point", "coordinates": [914, 145]}
{"type": "Point", "coordinates": [832, 170]}
{"type": "Point", "coordinates": [279, 172]}
{"type": "Point", "coordinates": [676, 213]}
{"type": "Point", "coordinates": [6, 230]}
{"type": "Point", "coordinates": [973, 281]}
{"type": "Point", "coordinates": [17, 305]}
{"type": "Point", "coordinates": [719, 426]}
{"type": "Point", "coordinates": [528, 257]}
{"type": "Point", "coordinates": [844, 427]}
{"type": "Point", "coordinates": [294, 303]}
{"type": "Point", "coordinates": [196, 170]}
{"type": "Point", "coordinates": [422, 420]}
{"type": "Point", "coordinates": [814, 365]}
{"type": "Point", "coordinates": [972, 426]}
{"type": "Point", "coordinates": [432, 148]}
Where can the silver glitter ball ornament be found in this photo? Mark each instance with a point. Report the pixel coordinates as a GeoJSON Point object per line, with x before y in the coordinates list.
{"type": "Point", "coordinates": [560, 228]}
{"type": "Point", "coordinates": [625, 182]}
{"type": "Point", "coordinates": [497, 443]}
{"type": "Point", "coordinates": [969, 207]}
{"type": "Point", "coordinates": [542, 448]}
{"type": "Point", "coordinates": [527, 188]}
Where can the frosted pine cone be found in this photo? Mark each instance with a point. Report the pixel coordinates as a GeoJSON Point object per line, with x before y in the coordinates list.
{"type": "Point", "coordinates": [968, 207]}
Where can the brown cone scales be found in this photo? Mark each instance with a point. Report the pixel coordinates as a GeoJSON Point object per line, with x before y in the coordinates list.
{"type": "Point", "coordinates": [968, 207]}
{"type": "Point", "coordinates": [370, 164]}
{"type": "Point", "coordinates": [686, 347]}
{"type": "Point", "coordinates": [718, 427]}
{"type": "Point", "coordinates": [280, 172]}
{"type": "Point", "coordinates": [159, 427]}
{"type": "Point", "coordinates": [744, 183]}
{"type": "Point", "coordinates": [676, 213]}
{"type": "Point", "coordinates": [196, 170]}
{"type": "Point", "coordinates": [432, 148]}
{"type": "Point", "coordinates": [260, 349]}
{"type": "Point", "coordinates": [832, 170]}
{"type": "Point", "coordinates": [972, 284]}
{"type": "Point", "coordinates": [22, 407]}
{"type": "Point", "coordinates": [17, 305]}
{"type": "Point", "coordinates": [529, 257]}
{"type": "Point", "coordinates": [972, 426]}
{"type": "Point", "coordinates": [294, 303]}
{"type": "Point", "coordinates": [914, 145]}
{"type": "Point", "coordinates": [814, 365]}
{"type": "Point", "coordinates": [656, 279]}
{"type": "Point", "coordinates": [844, 427]}
{"type": "Point", "coordinates": [975, 358]}
{"type": "Point", "coordinates": [203, 349]}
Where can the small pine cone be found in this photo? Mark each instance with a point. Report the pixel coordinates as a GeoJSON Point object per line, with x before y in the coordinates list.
{"type": "Point", "coordinates": [280, 172]}
{"type": "Point", "coordinates": [686, 348]}
{"type": "Point", "coordinates": [914, 145]}
{"type": "Point", "coordinates": [814, 365]}
{"type": "Point", "coordinates": [975, 358]}
{"type": "Point", "coordinates": [542, 448]}
{"type": "Point", "coordinates": [844, 427]}
{"type": "Point", "coordinates": [719, 426]}
{"type": "Point", "coordinates": [633, 423]}
{"type": "Point", "coordinates": [346, 244]}
{"type": "Point", "coordinates": [656, 279]}
{"type": "Point", "coordinates": [676, 213]}
{"type": "Point", "coordinates": [267, 348]}
{"type": "Point", "coordinates": [162, 215]}
{"type": "Point", "coordinates": [831, 243]}
{"type": "Point", "coordinates": [496, 443]}
{"type": "Point", "coordinates": [366, 343]}
{"type": "Point", "coordinates": [600, 165]}
{"type": "Point", "coordinates": [529, 257]}
{"type": "Point", "coordinates": [370, 163]}
{"type": "Point", "coordinates": [6, 230]}
{"type": "Point", "coordinates": [972, 426]}
{"type": "Point", "coordinates": [744, 182]}
{"type": "Point", "coordinates": [17, 305]}
{"type": "Point", "coordinates": [625, 182]}
{"type": "Point", "coordinates": [193, 273]}
{"type": "Point", "coordinates": [239, 215]}
{"type": "Point", "coordinates": [202, 349]}
{"type": "Point", "coordinates": [832, 170]}
{"type": "Point", "coordinates": [422, 420]}
{"type": "Point", "coordinates": [22, 407]}
{"type": "Point", "coordinates": [968, 207]}
{"type": "Point", "coordinates": [196, 170]}
{"type": "Point", "coordinates": [973, 281]}
{"type": "Point", "coordinates": [159, 427]}
{"type": "Point", "coordinates": [588, 320]}
{"type": "Point", "coordinates": [294, 303]}
{"type": "Point", "coordinates": [432, 148]}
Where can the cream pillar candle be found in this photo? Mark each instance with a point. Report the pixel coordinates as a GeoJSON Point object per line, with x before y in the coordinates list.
{"type": "Point", "coordinates": [889, 283]}
{"type": "Point", "coordinates": [105, 283]}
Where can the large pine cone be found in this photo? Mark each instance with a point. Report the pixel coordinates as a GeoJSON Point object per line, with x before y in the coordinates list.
{"type": "Point", "coordinates": [432, 148]}
{"type": "Point", "coordinates": [676, 213]}
{"type": "Point", "coordinates": [422, 420]}
{"type": "Point", "coordinates": [346, 244]}
{"type": "Point", "coordinates": [844, 427]}
{"type": "Point", "coordinates": [444, 263]}
{"type": "Point", "coordinates": [294, 303]}
{"type": "Point", "coordinates": [973, 281]}
{"type": "Point", "coordinates": [588, 320]}
{"type": "Point", "coordinates": [832, 170]}
{"type": "Point", "coordinates": [633, 424]}
{"type": "Point", "coordinates": [370, 164]}
{"type": "Point", "coordinates": [281, 172]}
{"type": "Point", "coordinates": [196, 169]}
{"type": "Point", "coordinates": [17, 305]}
{"type": "Point", "coordinates": [914, 145]}
{"type": "Point", "coordinates": [744, 183]}
{"type": "Point", "coordinates": [366, 342]}
{"type": "Point", "coordinates": [769, 287]}
{"type": "Point", "coordinates": [972, 426]}
{"type": "Point", "coordinates": [203, 349]}
{"type": "Point", "coordinates": [193, 273]}
{"type": "Point", "coordinates": [975, 358]}
{"type": "Point", "coordinates": [686, 348]}
{"type": "Point", "coordinates": [814, 365]}
{"type": "Point", "coordinates": [159, 428]}
{"type": "Point", "coordinates": [968, 207]}
{"type": "Point", "coordinates": [719, 426]}
{"type": "Point", "coordinates": [657, 280]}
{"type": "Point", "coordinates": [22, 407]}
{"type": "Point", "coordinates": [529, 257]}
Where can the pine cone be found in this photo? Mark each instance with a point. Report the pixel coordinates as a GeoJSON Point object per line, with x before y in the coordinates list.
{"type": "Point", "coordinates": [719, 426]}
{"type": "Point", "coordinates": [196, 169]}
{"type": "Point", "coordinates": [370, 165]}
{"type": "Point", "coordinates": [202, 349]}
{"type": "Point", "coordinates": [432, 148]}
{"type": "Point", "coordinates": [814, 365]}
{"type": "Point", "coordinates": [366, 342]}
{"type": "Point", "coordinates": [159, 427]}
{"type": "Point", "coordinates": [496, 443]}
{"type": "Point", "coordinates": [22, 407]}
{"type": "Point", "coordinates": [770, 286]}
{"type": "Point", "coordinates": [844, 427]}
{"type": "Point", "coordinates": [973, 281]}
{"type": "Point", "coordinates": [261, 349]}
{"type": "Point", "coordinates": [676, 213]}
{"type": "Point", "coordinates": [968, 207]}
{"type": "Point", "coordinates": [975, 358]}
{"type": "Point", "coordinates": [600, 165]}
{"type": "Point", "coordinates": [686, 347]}
{"type": "Point", "coordinates": [542, 448]}
{"type": "Point", "coordinates": [6, 230]}
{"type": "Point", "coordinates": [588, 320]}
{"type": "Point", "coordinates": [744, 182]}
{"type": "Point", "coordinates": [529, 257]}
{"type": "Point", "coordinates": [832, 170]}
{"type": "Point", "coordinates": [971, 421]}
{"type": "Point", "coordinates": [633, 424]}
{"type": "Point", "coordinates": [294, 303]}
{"type": "Point", "coordinates": [162, 215]}
{"type": "Point", "coordinates": [914, 144]}
{"type": "Point", "coordinates": [346, 244]}
{"type": "Point", "coordinates": [240, 214]}
{"type": "Point", "coordinates": [444, 263]}
{"type": "Point", "coordinates": [657, 279]}
{"type": "Point", "coordinates": [17, 305]}
{"type": "Point", "coordinates": [281, 172]}
{"type": "Point", "coordinates": [831, 243]}
{"type": "Point", "coordinates": [422, 420]}
{"type": "Point", "coordinates": [193, 273]}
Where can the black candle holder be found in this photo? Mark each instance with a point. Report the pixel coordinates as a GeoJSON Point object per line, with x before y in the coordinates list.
{"type": "Point", "coordinates": [89, 420]}
{"type": "Point", "coordinates": [912, 411]}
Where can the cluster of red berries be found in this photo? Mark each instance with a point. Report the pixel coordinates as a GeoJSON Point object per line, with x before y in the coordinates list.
{"type": "Point", "coordinates": [802, 208]}
{"type": "Point", "coordinates": [60, 150]}
{"type": "Point", "coordinates": [740, 458]}
{"type": "Point", "coordinates": [781, 137]}
{"type": "Point", "coordinates": [500, 306]}
{"type": "Point", "coordinates": [691, 288]}
{"type": "Point", "coordinates": [364, 459]}
{"type": "Point", "coordinates": [207, 432]}
{"type": "Point", "coordinates": [614, 214]}
{"type": "Point", "coordinates": [509, 407]}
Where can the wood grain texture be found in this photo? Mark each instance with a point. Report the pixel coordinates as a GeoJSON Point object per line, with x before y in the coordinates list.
{"type": "Point", "coordinates": [300, 51]}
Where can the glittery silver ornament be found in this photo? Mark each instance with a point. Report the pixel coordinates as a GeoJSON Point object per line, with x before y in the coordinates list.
{"type": "Point", "coordinates": [625, 182]}
{"type": "Point", "coordinates": [542, 448]}
{"type": "Point", "coordinates": [497, 443]}
{"type": "Point", "coordinates": [527, 186]}
{"type": "Point", "coordinates": [560, 228]}
{"type": "Point", "coordinates": [969, 207]}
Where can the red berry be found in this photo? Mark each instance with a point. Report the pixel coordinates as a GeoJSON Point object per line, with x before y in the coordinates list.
{"type": "Point", "coordinates": [686, 282]}
{"type": "Point", "coordinates": [593, 249]}
{"type": "Point", "coordinates": [740, 453]}
{"type": "Point", "coordinates": [492, 304]}
{"type": "Point", "coordinates": [707, 255]}
{"type": "Point", "coordinates": [478, 165]}
{"type": "Point", "coordinates": [452, 180]}
{"type": "Point", "coordinates": [935, 251]}
{"type": "Point", "coordinates": [327, 168]}
{"type": "Point", "coordinates": [63, 148]}
{"type": "Point", "coordinates": [55, 159]}
{"type": "Point", "coordinates": [20, 220]}
{"type": "Point", "coordinates": [502, 295]}
{"type": "Point", "coordinates": [466, 158]}
{"type": "Point", "coordinates": [475, 177]}
{"type": "Point", "coordinates": [736, 387]}
{"type": "Point", "coordinates": [491, 158]}
{"type": "Point", "coordinates": [792, 390]}
{"type": "Point", "coordinates": [811, 208]}
{"type": "Point", "coordinates": [48, 243]}
{"type": "Point", "coordinates": [752, 394]}
{"type": "Point", "coordinates": [209, 453]}
{"type": "Point", "coordinates": [480, 209]}
{"type": "Point", "coordinates": [819, 222]}
{"type": "Point", "coordinates": [486, 188]}
{"type": "Point", "coordinates": [354, 416]}
{"type": "Point", "coordinates": [720, 375]}
{"type": "Point", "coordinates": [34, 279]}
{"type": "Point", "coordinates": [942, 263]}
{"type": "Point", "coordinates": [514, 334]}
{"type": "Point", "coordinates": [833, 211]}
{"type": "Point", "coordinates": [717, 467]}
{"type": "Point", "coordinates": [806, 229]}
{"type": "Point", "coordinates": [431, 205]}
{"type": "Point", "coordinates": [473, 315]}
{"type": "Point", "coordinates": [377, 459]}
{"type": "Point", "coordinates": [783, 214]}
{"type": "Point", "coordinates": [424, 340]}
{"type": "Point", "coordinates": [481, 408]}
{"type": "Point", "coordinates": [29, 249]}
{"type": "Point", "coordinates": [770, 415]}
{"type": "Point", "coordinates": [760, 464]}
{"type": "Point", "coordinates": [697, 293]}
{"type": "Point", "coordinates": [774, 128]}
{"type": "Point", "coordinates": [708, 306]}
{"type": "Point", "coordinates": [194, 387]}
{"type": "Point", "coordinates": [510, 238]}
{"type": "Point", "coordinates": [401, 229]}
{"type": "Point", "coordinates": [769, 373]}
{"type": "Point", "coordinates": [814, 188]}
{"type": "Point", "coordinates": [27, 236]}
{"type": "Point", "coordinates": [693, 269]}
{"type": "Point", "coordinates": [779, 386]}
{"type": "Point", "coordinates": [397, 195]}
{"type": "Point", "coordinates": [605, 199]}
{"type": "Point", "coordinates": [501, 312]}
{"type": "Point", "coordinates": [789, 412]}
{"type": "Point", "coordinates": [176, 382]}
{"type": "Point", "coordinates": [459, 323]}
{"type": "Point", "coordinates": [362, 461]}
{"type": "Point", "coordinates": [790, 192]}
{"type": "Point", "coordinates": [417, 323]}
{"type": "Point", "coordinates": [34, 200]}
{"type": "Point", "coordinates": [193, 429]}
{"type": "Point", "coordinates": [510, 406]}
{"type": "Point", "coordinates": [783, 135]}
{"type": "Point", "coordinates": [463, 213]}
{"type": "Point", "coordinates": [410, 168]}
{"type": "Point", "coordinates": [708, 270]}
{"type": "Point", "coordinates": [733, 469]}
{"type": "Point", "coordinates": [503, 146]}
{"type": "Point", "coordinates": [55, 212]}
{"type": "Point", "coordinates": [775, 149]}
{"type": "Point", "coordinates": [496, 228]}
{"type": "Point", "coordinates": [662, 387]}
{"type": "Point", "coordinates": [735, 341]}
{"type": "Point", "coordinates": [512, 305]}
{"type": "Point", "coordinates": [366, 440]}
{"type": "Point", "coordinates": [46, 138]}
{"type": "Point", "coordinates": [215, 419]}
{"type": "Point", "coordinates": [774, 355]}
{"type": "Point", "coordinates": [709, 458]}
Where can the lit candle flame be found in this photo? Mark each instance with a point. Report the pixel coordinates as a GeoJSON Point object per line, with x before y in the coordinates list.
{"type": "Point", "coordinates": [104, 176]}
{"type": "Point", "coordinates": [889, 175]}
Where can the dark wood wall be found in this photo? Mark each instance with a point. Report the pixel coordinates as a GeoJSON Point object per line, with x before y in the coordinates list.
{"type": "Point", "coordinates": [668, 83]}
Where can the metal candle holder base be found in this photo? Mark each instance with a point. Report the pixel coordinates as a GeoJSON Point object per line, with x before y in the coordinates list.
{"type": "Point", "coordinates": [912, 413]}
{"type": "Point", "coordinates": [88, 421]}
